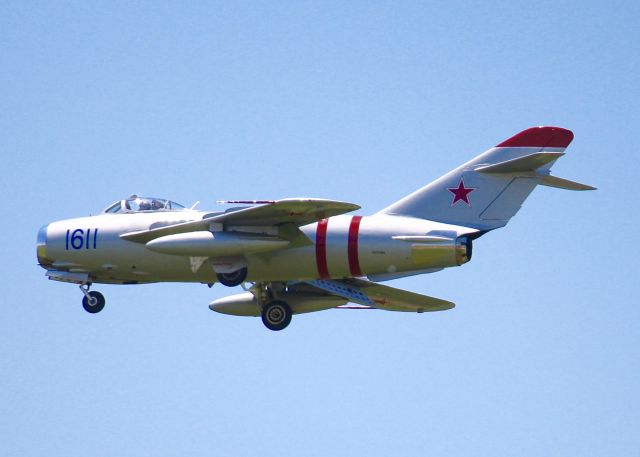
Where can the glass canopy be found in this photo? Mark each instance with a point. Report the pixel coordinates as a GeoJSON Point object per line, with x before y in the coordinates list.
{"type": "Point", "coordinates": [135, 204]}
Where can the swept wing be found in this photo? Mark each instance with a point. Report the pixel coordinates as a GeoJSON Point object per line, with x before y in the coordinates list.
{"type": "Point", "coordinates": [374, 295]}
{"type": "Point", "coordinates": [294, 211]}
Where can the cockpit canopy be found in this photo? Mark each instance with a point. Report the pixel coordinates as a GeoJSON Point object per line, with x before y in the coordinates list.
{"type": "Point", "coordinates": [135, 204]}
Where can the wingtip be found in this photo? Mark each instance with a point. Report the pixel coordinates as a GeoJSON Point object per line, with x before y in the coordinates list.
{"type": "Point", "coordinates": [540, 137]}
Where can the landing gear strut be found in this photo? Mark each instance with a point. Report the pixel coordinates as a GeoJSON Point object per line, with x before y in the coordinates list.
{"type": "Point", "coordinates": [276, 315]}
{"type": "Point", "coordinates": [233, 279]}
{"type": "Point", "coordinates": [92, 302]}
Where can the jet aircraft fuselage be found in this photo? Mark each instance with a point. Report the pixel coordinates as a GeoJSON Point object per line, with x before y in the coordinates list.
{"type": "Point", "coordinates": [303, 254]}
{"type": "Point", "coordinates": [338, 247]}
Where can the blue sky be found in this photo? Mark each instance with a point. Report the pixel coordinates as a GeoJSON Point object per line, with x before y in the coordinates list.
{"type": "Point", "coordinates": [363, 102]}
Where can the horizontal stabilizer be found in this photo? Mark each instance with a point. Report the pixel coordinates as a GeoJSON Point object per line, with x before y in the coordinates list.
{"type": "Point", "coordinates": [553, 181]}
{"type": "Point", "coordinates": [526, 166]}
{"type": "Point", "coordinates": [527, 163]}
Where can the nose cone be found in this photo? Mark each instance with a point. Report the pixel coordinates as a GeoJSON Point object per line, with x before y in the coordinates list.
{"type": "Point", "coordinates": [41, 247]}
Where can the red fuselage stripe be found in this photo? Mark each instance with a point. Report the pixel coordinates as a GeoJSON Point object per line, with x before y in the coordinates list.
{"type": "Point", "coordinates": [321, 249]}
{"type": "Point", "coordinates": [354, 261]}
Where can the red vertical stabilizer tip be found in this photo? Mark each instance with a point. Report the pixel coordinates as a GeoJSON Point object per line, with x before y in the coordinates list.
{"type": "Point", "coordinates": [539, 137]}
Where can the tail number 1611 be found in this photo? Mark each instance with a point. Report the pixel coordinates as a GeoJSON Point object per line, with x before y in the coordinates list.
{"type": "Point", "coordinates": [80, 239]}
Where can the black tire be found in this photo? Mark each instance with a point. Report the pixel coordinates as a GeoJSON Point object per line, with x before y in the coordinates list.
{"type": "Point", "coordinates": [276, 315]}
{"type": "Point", "coordinates": [233, 279]}
{"type": "Point", "coordinates": [97, 302]}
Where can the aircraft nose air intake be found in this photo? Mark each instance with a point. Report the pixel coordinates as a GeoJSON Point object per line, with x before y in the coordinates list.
{"type": "Point", "coordinates": [41, 247]}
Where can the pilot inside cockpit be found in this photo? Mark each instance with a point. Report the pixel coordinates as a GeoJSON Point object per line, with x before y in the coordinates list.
{"type": "Point", "coordinates": [143, 205]}
{"type": "Point", "coordinates": [134, 204]}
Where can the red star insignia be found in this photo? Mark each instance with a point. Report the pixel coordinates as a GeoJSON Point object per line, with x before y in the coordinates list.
{"type": "Point", "coordinates": [461, 193]}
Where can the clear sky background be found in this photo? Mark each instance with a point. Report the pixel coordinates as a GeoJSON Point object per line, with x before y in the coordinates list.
{"type": "Point", "coordinates": [357, 101]}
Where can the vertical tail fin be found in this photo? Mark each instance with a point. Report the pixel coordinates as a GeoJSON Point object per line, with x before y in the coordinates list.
{"type": "Point", "coordinates": [487, 191]}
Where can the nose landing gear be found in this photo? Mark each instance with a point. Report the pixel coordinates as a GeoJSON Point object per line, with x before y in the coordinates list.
{"type": "Point", "coordinates": [92, 302]}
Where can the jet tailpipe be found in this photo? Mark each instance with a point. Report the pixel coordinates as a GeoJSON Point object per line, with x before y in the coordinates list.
{"type": "Point", "coordinates": [464, 250]}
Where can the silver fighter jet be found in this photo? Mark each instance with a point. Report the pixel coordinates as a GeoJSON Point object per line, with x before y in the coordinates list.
{"type": "Point", "coordinates": [300, 255]}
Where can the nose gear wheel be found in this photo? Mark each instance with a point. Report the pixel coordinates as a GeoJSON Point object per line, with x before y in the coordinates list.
{"type": "Point", "coordinates": [93, 302]}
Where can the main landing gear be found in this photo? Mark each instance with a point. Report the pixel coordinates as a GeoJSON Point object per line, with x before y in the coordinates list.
{"type": "Point", "coordinates": [276, 314]}
{"type": "Point", "coordinates": [92, 302]}
{"type": "Point", "coordinates": [234, 278]}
